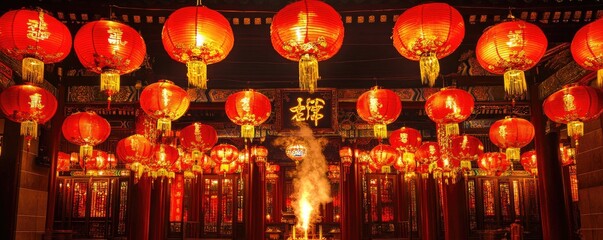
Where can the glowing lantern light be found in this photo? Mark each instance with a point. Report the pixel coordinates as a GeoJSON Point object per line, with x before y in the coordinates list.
{"type": "Point", "coordinates": [587, 48]}
{"type": "Point", "coordinates": [28, 105]}
{"type": "Point", "coordinates": [36, 38]}
{"type": "Point", "coordinates": [272, 172]}
{"type": "Point", "coordinates": [529, 161]}
{"type": "Point", "coordinates": [406, 166]}
{"type": "Point", "coordinates": [379, 107]}
{"type": "Point", "coordinates": [567, 155]}
{"type": "Point", "coordinates": [136, 151]}
{"type": "Point", "coordinates": [446, 168]}
{"type": "Point", "coordinates": [98, 161]}
{"type": "Point", "coordinates": [197, 36]}
{"type": "Point", "coordinates": [86, 129]}
{"type": "Point", "coordinates": [345, 153]}
{"type": "Point", "coordinates": [466, 148]}
{"type": "Point", "coordinates": [449, 106]}
{"type": "Point", "coordinates": [248, 109]}
{"type": "Point", "coordinates": [573, 105]}
{"type": "Point", "coordinates": [307, 31]}
{"type": "Point", "coordinates": [164, 156]}
{"type": "Point", "coordinates": [63, 161]}
{"type": "Point", "coordinates": [260, 153]}
{"type": "Point", "coordinates": [406, 140]}
{"type": "Point", "coordinates": [165, 102]}
{"type": "Point", "coordinates": [428, 153]}
{"type": "Point", "coordinates": [223, 155]}
{"type": "Point", "coordinates": [384, 155]}
{"type": "Point", "coordinates": [297, 152]}
{"type": "Point", "coordinates": [363, 158]}
{"type": "Point", "coordinates": [494, 163]}
{"type": "Point", "coordinates": [426, 33]}
{"type": "Point", "coordinates": [510, 48]}
{"type": "Point", "coordinates": [111, 49]}
{"type": "Point", "coordinates": [512, 134]}
{"type": "Point", "coordinates": [197, 138]}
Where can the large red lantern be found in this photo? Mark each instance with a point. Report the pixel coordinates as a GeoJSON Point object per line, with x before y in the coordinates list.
{"type": "Point", "coordinates": [28, 105]}
{"type": "Point", "coordinates": [426, 33]}
{"type": "Point", "coordinates": [307, 31]}
{"type": "Point", "coordinates": [86, 129]}
{"type": "Point", "coordinates": [406, 141]}
{"type": "Point", "coordinates": [110, 49]}
{"type": "Point", "coordinates": [197, 36]}
{"type": "Point", "coordinates": [36, 38]}
{"type": "Point", "coordinates": [248, 109]}
{"type": "Point", "coordinates": [134, 149]}
{"type": "Point", "coordinates": [428, 153]}
{"type": "Point", "coordinates": [587, 48]}
{"type": "Point", "coordinates": [529, 162]}
{"type": "Point", "coordinates": [379, 107]}
{"type": "Point", "coordinates": [574, 105]}
{"type": "Point", "coordinates": [466, 148]}
{"type": "Point", "coordinates": [384, 155]}
{"type": "Point", "coordinates": [165, 102]}
{"type": "Point", "coordinates": [449, 106]}
{"type": "Point", "coordinates": [510, 48]}
{"type": "Point", "coordinates": [512, 134]}
{"type": "Point", "coordinates": [197, 138]}
{"type": "Point", "coordinates": [494, 163]}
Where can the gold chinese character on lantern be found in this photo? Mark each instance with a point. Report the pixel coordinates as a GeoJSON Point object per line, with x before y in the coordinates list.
{"type": "Point", "coordinates": [37, 30]}
{"type": "Point", "coordinates": [308, 110]}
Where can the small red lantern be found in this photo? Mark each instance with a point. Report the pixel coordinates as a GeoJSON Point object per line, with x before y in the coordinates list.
{"type": "Point", "coordinates": [198, 138]}
{"type": "Point", "coordinates": [224, 153]}
{"type": "Point", "coordinates": [384, 155]}
{"type": "Point", "coordinates": [446, 168]}
{"type": "Point", "coordinates": [63, 161]}
{"type": "Point", "coordinates": [406, 140]}
{"type": "Point", "coordinates": [297, 152]}
{"type": "Point", "coordinates": [28, 105]}
{"type": "Point", "coordinates": [36, 38]}
{"type": "Point", "coordinates": [248, 109]}
{"type": "Point", "coordinates": [510, 48]}
{"type": "Point", "coordinates": [86, 129]}
{"type": "Point", "coordinates": [466, 148]}
{"type": "Point", "coordinates": [512, 134]}
{"type": "Point", "coordinates": [449, 106]}
{"type": "Point", "coordinates": [379, 107]}
{"type": "Point", "coordinates": [134, 149]}
{"type": "Point", "coordinates": [426, 33]}
{"type": "Point", "coordinates": [494, 163]}
{"type": "Point", "coordinates": [428, 153]}
{"type": "Point", "coordinates": [529, 162]}
{"type": "Point", "coordinates": [574, 105]}
{"type": "Point", "coordinates": [110, 49]}
{"type": "Point", "coordinates": [587, 47]}
{"type": "Point", "coordinates": [567, 155]}
{"type": "Point", "coordinates": [164, 156]}
{"type": "Point", "coordinates": [98, 161]}
{"type": "Point", "coordinates": [307, 31]}
{"type": "Point", "coordinates": [197, 36]}
{"type": "Point", "coordinates": [260, 153]}
{"type": "Point", "coordinates": [165, 102]}
{"type": "Point", "coordinates": [345, 153]}
{"type": "Point", "coordinates": [363, 158]}
{"type": "Point", "coordinates": [406, 166]}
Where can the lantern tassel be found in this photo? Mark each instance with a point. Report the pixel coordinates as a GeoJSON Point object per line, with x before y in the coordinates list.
{"type": "Point", "coordinates": [575, 129]}
{"type": "Point", "coordinates": [308, 72]}
{"type": "Point", "coordinates": [164, 124]}
{"type": "Point", "coordinates": [29, 129]}
{"type": "Point", "coordinates": [85, 151]}
{"type": "Point", "coordinates": [109, 84]}
{"type": "Point", "coordinates": [197, 73]}
{"type": "Point", "coordinates": [380, 131]}
{"type": "Point", "coordinates": [513, 154]}
{"type": "Point", "coordinates": [600, 78]}
{"type": "Point", "coordinates": [430, 68]}
{"type": "Point", "coordinates": [452, 129]}
{"type": "Point", "coordinates": [32, 70]}
{"type": "Point", "coordinates": [247, 131]}
{"type": "Point", "coordinates": [515, 83]}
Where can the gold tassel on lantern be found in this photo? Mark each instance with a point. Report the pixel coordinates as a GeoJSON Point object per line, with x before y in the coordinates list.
{"type": "Point", "coordinates": [380, 131]}
{"type": "Point", "coordinates": [32, 70]}
{"type": "Point", "coordinates": [308, 72]}
{"type": "Point", "coordinates": [513, 154]}
{"type": "Point", "coordinates": [29, 129]}
{"type": "Point", "coordinates": [85, 151]}
{"type": "Point", "coordinates": [575, 129]}
{"type": "Point", "coordinates": [515, 83]}
{"type": "Point", "coordinates": [452, 129]}
{"type": "Point", "coordinates": [430, 68]}
{"type": "Point", "coordinates": [247, 131]}
{"type": "Point", "coordinates": [600, 78]}
{"type": "Point", "coordinates": [164, 124]}
{"type": "Point", "coordinates": [109, 83]}
{"type": "Point", "coordinates": [197, 73]}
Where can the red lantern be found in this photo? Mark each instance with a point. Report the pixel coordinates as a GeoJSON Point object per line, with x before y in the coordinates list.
{"type": "Point", "coordinates": [197, 36]}
{"type": "Point", "coordinates": [86, 129]}
{"type": "Point", "coordinates": [28, 105]}
{"type": "Point", "coordinates": [379, 107]}
{"type": "Point", "coordinates": [466, 148]}
{"type": "Point", "coordinates": [567, 155]}
{"type": "Point", "coordinates": [63, 161]}
{"type": "Point", "coordinates": [297, 152]}
{"type": "Point", "coordinates": [165, 102]}
{"type": "Point", "coordinates": [164, 156]}
{"type": "Point", "coordinates": [248, 109]}
{"type": "Point", "coordinates": [510, 48]}
{"type": "Point", "coordinates": [345, 153]}
{"type": "Point", "coordinates": [98, 161]}
{"type": "Point", "coordinates": [384, 155]}
{"type": "Point", "coordinates": [197, 138]}
{"type": "Point", "coordinates": [406, 166]}
{"type": "Point", "coordinates": [446, 168]}
{"type": "Point", "coordinates": [36, 38]}
{"type": "Point", "coordinates": [110, 49]}
{"type": "Point", "coordinates": [134, 149]}
{"type": "Point", "coordinates": [574, 105]}
{"type": "Point", "coordinates": [307, 31]}
{"type": "Point", "coordinates": [529, 162]}
{"type": "Point", "coordinates": [426, 33]}
{"type": "Point", "coordinates": [406, 140]}
{"type": "Point", "coordinates": [146, 126]}
{"type": "Point", "coordinates": [512, 134]}
{"type": "Point", "coordinates": [428, 153]}
{"type": "Point", "coordinates": [449, 107]}
{"type": "Point", "coordinates": [260, 153]}
{"type": "Point", "coordinates": [363, 158]}
{"type": "Point", "coordinates": [494, 163]}
{"type": "Point", "coordinates": [423, 170]}
{"type": "Point", "coordinates": [587, 48]}
{"type": "Point", "coordinates": [224, 153]}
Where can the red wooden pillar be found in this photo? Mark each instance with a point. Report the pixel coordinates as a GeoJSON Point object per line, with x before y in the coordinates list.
{"type": "Point", "coordinates": [456, 221]}
{"type": "Point", "coordinates": [555, 222]}
{"type": "Point", "coordinates": [158, 209]}
{"type": "Point", "coordinates": [427, 209]}
{"type": "Point", "coordinates": [139, 208]}
{"type": "Point", "coordinates": [351, 204]}
{"type": "Point", "coordinates": [255, 222]}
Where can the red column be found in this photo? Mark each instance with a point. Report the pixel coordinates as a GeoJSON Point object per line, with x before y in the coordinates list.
{"type": "Point", "coordinates": [456, 221]}
{"type": "Point", "coordinates": [555, 225]}
{"type": "Point", "coordinates": [352, 219]}
{"type": "Point", "coordinates": [158, 213]}
{"type": "Point", "coordinates": [255, 222]}
{"type": "Point", "coordinates": [427, 209]}
{"type": "Point", "coordinates": [139, 206]}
